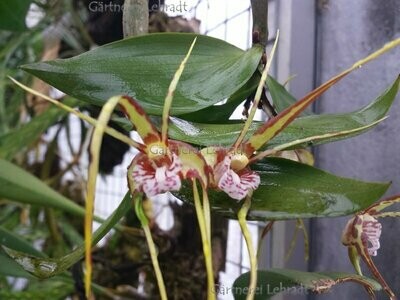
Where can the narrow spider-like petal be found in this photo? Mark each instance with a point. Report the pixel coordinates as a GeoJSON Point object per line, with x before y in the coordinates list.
{"type": "Point", "coordinates": [236, 185]}
{"type": "Point", "coordinates": [275, 125]}
{"type": "Point", "coordinates": [139, 119]}
{"type": "Point", "coordinates": [95, 145]}
{"type": "Point", "coordinates": [170, 93]}
{"type": "Point", "coordinates": [154, 180]}
{"type": "Point", "coordinates": [376, 208]}
{"type": "Point", "coordinates": [257, 97]}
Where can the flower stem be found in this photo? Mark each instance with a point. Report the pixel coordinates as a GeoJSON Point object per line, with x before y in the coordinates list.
{"type": "Point", "coordinates": [93, 171]}
{"type": "Point", "coordinates": [249, 243]}
{"type": "Point", "coordinates": [206, 244]}
{"type": "Point", "coordinates": [152, 248]}
{"type": "Point", "coordinates": [264, 233]}
{"type": "Point", "coordinates": [207, 214]}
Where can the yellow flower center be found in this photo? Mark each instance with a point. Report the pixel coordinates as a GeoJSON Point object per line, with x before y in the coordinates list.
{"type": "Point", "coordinates": [239, 162]}
{"type": "Point", "coordinates": [157, 150]}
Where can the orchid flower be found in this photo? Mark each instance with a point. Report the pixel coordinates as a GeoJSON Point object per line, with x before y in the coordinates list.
{"type": "Point", "coordinates": [231, 167]}
{"type": "Point", "coordinates": [231, 171]}
{"type": "Point", "coordinates": [164, 163]}
{"type": "Point", "coordinates": [361, 236]}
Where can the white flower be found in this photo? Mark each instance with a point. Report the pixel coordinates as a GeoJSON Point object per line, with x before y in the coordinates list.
{"type": "Point", "coordinates": [154, 179]}
{"type": "Point", "coordinates": [364, 231]}
{"type": "Point", "coordinates": [237, 184]}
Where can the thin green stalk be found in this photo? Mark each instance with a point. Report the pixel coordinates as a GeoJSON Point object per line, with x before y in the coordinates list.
{"type": "Point", "coordinates": [207, 214]}
{"type": "Point", "coordinates": [3, 115]}
{"type": "Point", "coordinates": [249, 243]}
{"type": "Point", "coordinates": [206, 245]}
{"type": "Point", "coordinates": [152, 248]}
{"type": "Point", "coordinates": [264, 233]}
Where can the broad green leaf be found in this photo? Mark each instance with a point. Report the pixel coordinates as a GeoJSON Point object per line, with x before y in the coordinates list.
{"type": "Point", "coordinates": [18, 185]}
{"type": "Point", "coordinates": [24, 136]}
{"type": "Point", "coordinates": [291, 190]}
{"type": "Point", "coordinates": [220, 113]}
{"type": "Point", "coordinates": [281, 98]}
{"type": "Point", "coordinates": [275, 281]}
{"type": "Point", "coordinates": [303, 127]}
{"type": "Point", "coordinates": [13, 241]}
{"type": "Point", "coordinates": [142, 67]}
{"type": "Point", "coordinates": [12, 14]}
{"type": "Point", "coordinates": [45, 268]}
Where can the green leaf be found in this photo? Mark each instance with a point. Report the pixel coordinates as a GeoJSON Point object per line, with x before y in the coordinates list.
{"type": "Point", "coordinates": [220, 113]}
{"type": "Point", "coordinates": [9, 267]}
{"type": "Point", "coordinates": [24, 136]}
{"type": "Point", "coordinates": [12, 14]}
{"type": "Point", "coordinates": [18, 185]}
{"type": "Point", "coordinates": [275, 281]}
{"type": "Point", "coordinates": [281, 98]}
{"type": "Point", "coordinates": [142, 67]}
{"type": "Point", "coordinates": [291, 190]}
{"type": "Point", "coordinates": [45, 268]}
{"type": "Point", "coordinates": [13, 241]}
{"type": "Point", "coordinates": [303, 127]}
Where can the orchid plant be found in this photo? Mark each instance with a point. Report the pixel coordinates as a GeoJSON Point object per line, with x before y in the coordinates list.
{"type": "Point", "coordinates": [234, 172]}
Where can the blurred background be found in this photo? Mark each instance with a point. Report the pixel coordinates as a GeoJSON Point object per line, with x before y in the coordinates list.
{"type": "Point", "coordinates": [318, 39]}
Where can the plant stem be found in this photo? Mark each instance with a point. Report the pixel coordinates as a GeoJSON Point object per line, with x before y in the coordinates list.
{"type": "Point", "coordinates": [207, 214]}
{"type": "Point", "coordinates": [154, 260]}
{"type": "Point", "coordinates": [265, 231]}
{"type": "Point", "coordinates": [249, 243]}
{"type": "Point", "coordinates": [152, 248]}
{"type": "Point", "coordinates": [259, 10]}
{"type": "Point", "coordinates": [206, 244]}
{"type": "Point", "coordinates": [135, 17]}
